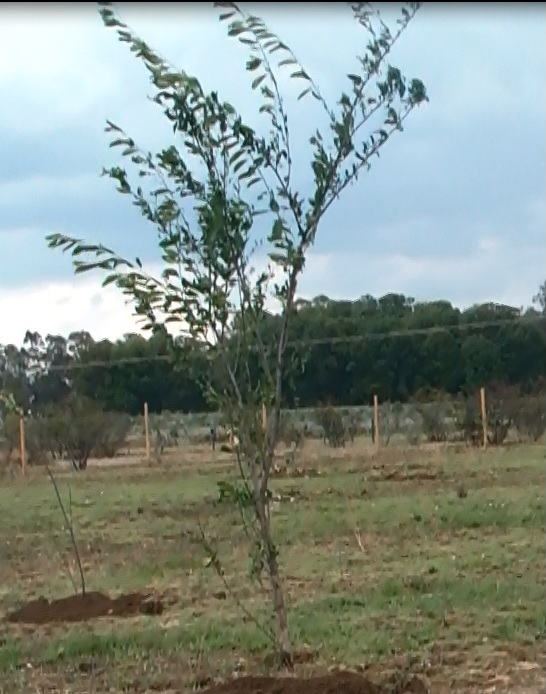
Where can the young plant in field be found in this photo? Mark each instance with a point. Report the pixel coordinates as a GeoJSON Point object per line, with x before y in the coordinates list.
{"type": "Point", "coordinates": [8, 403]}
{"type": "Point", "coordinates": [69, 528]}
{"type": "Point", "coordinates": [221, 192]}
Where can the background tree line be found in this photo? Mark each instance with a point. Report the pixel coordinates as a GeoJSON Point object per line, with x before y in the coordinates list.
{"type": "Point", "coordinates": [348, 350]}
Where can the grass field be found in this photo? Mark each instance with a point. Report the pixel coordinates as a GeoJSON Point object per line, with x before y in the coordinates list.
{"type": "Point", "coordinates": [446, 579]}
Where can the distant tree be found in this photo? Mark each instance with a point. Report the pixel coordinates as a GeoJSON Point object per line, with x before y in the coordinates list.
{"type": "Point", "coordinates": [540, 298]}
{"type": "Point", "coordinates": [481, 359]}
{"type": "Point", "coordinates": [397, 367]}
{"type": "Point", "coordinates": [79, 428]}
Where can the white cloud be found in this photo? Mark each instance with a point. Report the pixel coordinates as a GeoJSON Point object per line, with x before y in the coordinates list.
{"type": "Point", "coordinates": [82, 304]}
{"type": "Point", "coordinates": [36, 188]}
{"type": "Point", "coordinates": [536, 212]}
{"type": "Point", "coordinates": [63, 307]}
{"type": "Point", "coordinates": [63, 71]}
{"type": "Point", "coordinates": [55, 66]}
{"type": "Point", "coordinates": [483, 276]}
{"type": "Point", "coordinates": [491, 274]}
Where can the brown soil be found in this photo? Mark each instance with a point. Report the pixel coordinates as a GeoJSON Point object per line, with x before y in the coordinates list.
{"type": "Point", "coordinates": [334, 683]}
{"type": "Point", "coordinates": [82, 608]}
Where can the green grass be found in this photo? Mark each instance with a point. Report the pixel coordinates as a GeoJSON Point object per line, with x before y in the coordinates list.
{"type": "Point", "coordinates": [435, 571]}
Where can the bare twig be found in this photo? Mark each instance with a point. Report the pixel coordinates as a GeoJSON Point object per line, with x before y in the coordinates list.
{"type": "Point", "coordinates": [358, 539]}
{"type": "Point", "coordinates": [217, 566]}
{"type": "Point", "coordinates": [69, 525]}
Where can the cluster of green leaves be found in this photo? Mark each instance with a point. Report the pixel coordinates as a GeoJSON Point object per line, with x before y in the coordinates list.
{"type": "Point", "coordinates": [205, 194]}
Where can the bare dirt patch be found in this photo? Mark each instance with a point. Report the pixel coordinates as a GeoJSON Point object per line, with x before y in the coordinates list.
{"type": "Point", "coordinates": [82, 608]}
{"type": "Point", "coordinates": [335, 682]}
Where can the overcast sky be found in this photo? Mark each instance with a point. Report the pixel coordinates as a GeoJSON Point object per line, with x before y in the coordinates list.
{"type": "Point", "coordinates": [454, 208]}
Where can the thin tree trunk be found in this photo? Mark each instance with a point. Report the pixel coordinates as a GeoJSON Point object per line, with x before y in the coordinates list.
{"type": "Point", "coordinates": [284, 646]}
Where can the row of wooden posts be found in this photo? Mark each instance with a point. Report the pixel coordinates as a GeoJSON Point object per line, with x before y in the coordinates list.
{"type": "Point", "coordinates": [377, 440]}
{"type": "Point", "coordinates": [483, 412]}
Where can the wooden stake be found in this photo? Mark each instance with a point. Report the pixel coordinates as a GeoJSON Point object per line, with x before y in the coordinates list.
{"type": "Point", "coordinates": [484, 417]}
{"type": "Point", "coordinates": [147, 434]}
{"type": "Point", "coordinates": [376, 420]}
{"type": "Point", "coordinates": [22, 444]}
{"type": "Point", "coordinates": [264, 417]}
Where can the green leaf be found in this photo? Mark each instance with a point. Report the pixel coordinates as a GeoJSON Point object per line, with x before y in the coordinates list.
{"type": "Point", "coordinates": [236, 29]}
{"type": "Point", "coordinates": [273, 205]}
{"type": "Point", "coordinates": [256, 82]}
{"type": "Point", "coordinates": [300, 74]}
{"type": "Point", "coordinates": [110, 279]}
{"type": "Point", "coordinates": [253, 64]}
{"type": "Point", "coordinates": [277, 231]}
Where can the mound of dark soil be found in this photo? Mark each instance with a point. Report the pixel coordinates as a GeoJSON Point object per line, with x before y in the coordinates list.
{"type": "Point", "coordinates": [82, 608]}
{"type": "Point", "coordinates": [334, 683]}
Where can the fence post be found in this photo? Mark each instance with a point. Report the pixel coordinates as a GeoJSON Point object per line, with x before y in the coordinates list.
{"type": "Point", "coordinates": [22, 444]}
{"type": "Point", "coordinates": [376, 421]}
{"type": "Point", "coordinates": [484, 416]}
{"type": "Point", "coordinates": [147, 434]}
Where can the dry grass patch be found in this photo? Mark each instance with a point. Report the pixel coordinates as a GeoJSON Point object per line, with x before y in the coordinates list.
{"type": "Point", "coordinates": [385, 564]}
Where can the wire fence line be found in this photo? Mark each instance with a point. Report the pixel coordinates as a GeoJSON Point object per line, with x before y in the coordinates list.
{"type": "Point", "coordinates": [332, 340]}
{"type": "Point", "coordinates": [479, 420]}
